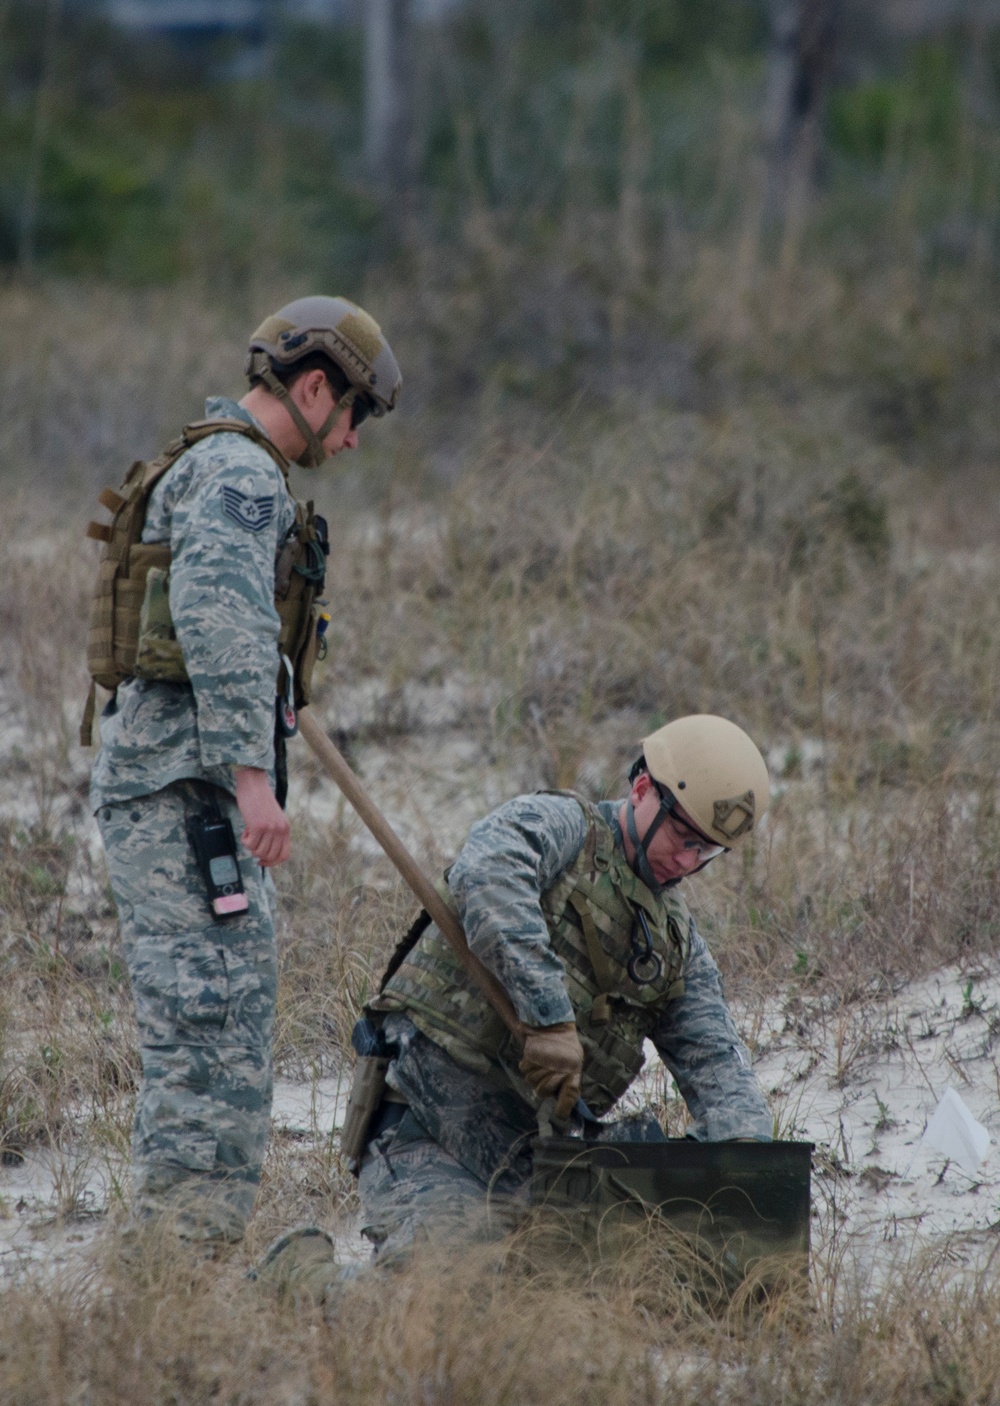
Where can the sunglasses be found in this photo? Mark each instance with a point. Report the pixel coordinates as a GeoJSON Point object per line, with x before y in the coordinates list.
{"type": "Point", "coordinates": [693, 839]}
{"type": "Point", "coordinates": [361, 408]}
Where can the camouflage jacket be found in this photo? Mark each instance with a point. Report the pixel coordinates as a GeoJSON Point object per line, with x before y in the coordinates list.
{"type": "Point", "coordinates": [222, 602]}
{"type": "Point", "coordinates": [509, 860]}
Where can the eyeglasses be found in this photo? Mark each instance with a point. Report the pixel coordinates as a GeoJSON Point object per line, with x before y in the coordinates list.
{"type": "Point", "coordinates": [693, 839]}
{"type": "Point", "coordinates": [361, 408]}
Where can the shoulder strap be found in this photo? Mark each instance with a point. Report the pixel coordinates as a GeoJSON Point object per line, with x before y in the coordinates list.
{"type": "Point", "coordinates": [598, 845]}
{"type": "Point", "coordinates": [405, 946]}
{"type": "Point", "coordinates": [193, 434]}
{"type": "Point", "coordinates": [201, 429]}
{"type": "Point", "coordinates": [416, 931]}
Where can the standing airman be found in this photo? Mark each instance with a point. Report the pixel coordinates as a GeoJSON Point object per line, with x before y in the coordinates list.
{"type": "Point", "coordinates": [206, 624]}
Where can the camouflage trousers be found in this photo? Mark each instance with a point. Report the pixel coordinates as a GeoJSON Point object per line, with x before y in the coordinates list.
{"type": "Point", "coordinates": [411, 1189]}
{"type": "Point", "coordinates": [456, 1165]}
{"type": "Point", "coordinates": [204, 994]}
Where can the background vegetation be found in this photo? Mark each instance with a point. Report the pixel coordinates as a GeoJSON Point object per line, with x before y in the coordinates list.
{"type": "Point", "coordinates": [591, 202]}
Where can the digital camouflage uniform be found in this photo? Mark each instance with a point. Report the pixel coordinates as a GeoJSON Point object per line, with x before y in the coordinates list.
{"type": "Point", "coordinates": [460, 1152]}
{"type": "Point", "coordinates": [204, 989]}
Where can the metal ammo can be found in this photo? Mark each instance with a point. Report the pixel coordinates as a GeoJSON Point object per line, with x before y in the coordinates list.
{"type": "Point", "coordinates": [736, 1214]}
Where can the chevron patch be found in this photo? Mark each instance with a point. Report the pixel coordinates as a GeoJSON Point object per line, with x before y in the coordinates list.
{"type": "Point", "coordinates": [252, 513]}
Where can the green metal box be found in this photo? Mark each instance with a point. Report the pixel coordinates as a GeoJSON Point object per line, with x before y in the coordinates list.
{"type": "Point", "coordinates": [739, 1211]}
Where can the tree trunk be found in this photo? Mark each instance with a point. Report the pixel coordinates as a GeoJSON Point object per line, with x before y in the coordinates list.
{"type": "Point", "coordinates": [803, 55]}
{"type": "Point", "coordinates": [39, 135]}
{"type": "Point", "coordinates": [388, 92]}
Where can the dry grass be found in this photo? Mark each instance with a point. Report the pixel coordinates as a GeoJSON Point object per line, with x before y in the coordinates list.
{"type": "Point", "coordinates": [457, 1331]}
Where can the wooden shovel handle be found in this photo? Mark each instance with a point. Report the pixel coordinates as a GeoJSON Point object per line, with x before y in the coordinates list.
{"type": "Point", "coordinates": [333, 763]}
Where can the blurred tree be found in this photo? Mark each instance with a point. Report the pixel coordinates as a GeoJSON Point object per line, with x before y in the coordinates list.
{"type": "Point", "coordinates": [388, 92]}
{"type": "Point", "coordinates": [803, 51]}
{"type": "Point", "coordinates": [44, 99]}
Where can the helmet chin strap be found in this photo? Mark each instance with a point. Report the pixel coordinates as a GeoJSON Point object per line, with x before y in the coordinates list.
{"type": "Point", "coordinates": [642, 863]}
{"type": "Point", "coordinates": [314, 453]}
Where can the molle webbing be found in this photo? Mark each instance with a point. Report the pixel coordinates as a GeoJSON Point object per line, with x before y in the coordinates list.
{"type": "Point", "coordinates": [126, 561]}
{"type": "Point", "coordinates": [298, 579]}
{"type": "Point", "coordinates": [590, 913]}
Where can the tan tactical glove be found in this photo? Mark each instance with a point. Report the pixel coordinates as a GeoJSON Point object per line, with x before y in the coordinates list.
{"type": "Point", "coordinates": [553, 1064]}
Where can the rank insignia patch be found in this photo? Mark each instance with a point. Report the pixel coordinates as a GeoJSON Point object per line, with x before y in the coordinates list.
{"type": "Point", "coordinates": [252, 513]}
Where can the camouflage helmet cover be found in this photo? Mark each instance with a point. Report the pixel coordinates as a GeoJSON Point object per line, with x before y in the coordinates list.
{"type": "Point", "coordinates": [344, 332]}
{"type": "Point", "coordinates": [715, 772]}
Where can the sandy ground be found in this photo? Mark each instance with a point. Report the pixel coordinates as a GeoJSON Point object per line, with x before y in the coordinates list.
{"type": "Point", "coordinates": [32, 1231]}
{"type": "Point", "coordinates": [862, 1094]}
{"type": "Point", "coordinates": [863, 1089]}
{"type": "Point", "coordinates": [860, 1082]}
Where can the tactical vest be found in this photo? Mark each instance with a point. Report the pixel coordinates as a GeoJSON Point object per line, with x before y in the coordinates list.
{"type": "Point", "coordinates": [131, 631]}
{"type": "Point", "coordinates": [590, 912]}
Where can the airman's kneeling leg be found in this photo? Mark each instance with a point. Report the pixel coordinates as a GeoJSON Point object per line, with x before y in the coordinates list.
{"type": "Point", "coordinates": [412, 1189]}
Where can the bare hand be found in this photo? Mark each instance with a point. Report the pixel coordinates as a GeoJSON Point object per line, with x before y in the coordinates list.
{"type": "Point", "coordinates": [268, 834]}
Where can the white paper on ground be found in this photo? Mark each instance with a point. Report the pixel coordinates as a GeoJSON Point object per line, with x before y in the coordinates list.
{"type": "Point", "coordinates": [954, 1133]}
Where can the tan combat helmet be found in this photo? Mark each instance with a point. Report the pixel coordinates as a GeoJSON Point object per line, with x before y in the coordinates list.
{"type": "Point", "coordinates": [714, 772]}
{"type": "Point", "coordinates": [350, 338]}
